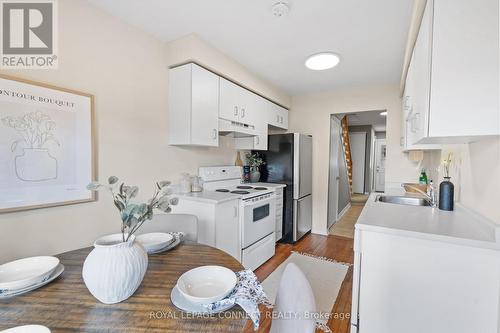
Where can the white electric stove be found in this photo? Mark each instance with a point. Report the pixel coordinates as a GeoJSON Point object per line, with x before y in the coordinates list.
{"type": "Point", "coordinates": [257, 212]}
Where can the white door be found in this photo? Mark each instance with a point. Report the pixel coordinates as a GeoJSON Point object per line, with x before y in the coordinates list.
{"type": "Point", "coordinates": [358, 152]}
{"type": "Point", "coordinates": [380, 155]}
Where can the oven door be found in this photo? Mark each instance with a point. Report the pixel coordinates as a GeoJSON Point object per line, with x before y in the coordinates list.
{"type": "Point", "coordinates": [259, 218]}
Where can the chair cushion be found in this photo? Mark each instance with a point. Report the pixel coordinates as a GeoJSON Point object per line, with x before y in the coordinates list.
{"type": "Point", "coordinates": [294, 302]}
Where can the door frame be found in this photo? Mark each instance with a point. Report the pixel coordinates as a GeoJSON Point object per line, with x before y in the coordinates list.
{"type": "Point", "coordinates": [333, 174]}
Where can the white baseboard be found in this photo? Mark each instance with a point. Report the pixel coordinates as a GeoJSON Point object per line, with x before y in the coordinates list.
{"type": "Point", "coordinates": [346, 208]}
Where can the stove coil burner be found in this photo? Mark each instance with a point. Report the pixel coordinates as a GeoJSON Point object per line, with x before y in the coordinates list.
{"type": "Point", "coordinates": [244, 187]}
{"type": "Point", "coordinates": [222, 190]}
{"type": "Point", "coordinates": [260, 188]}
{"type": "Point", "coordinates": [240, 192]}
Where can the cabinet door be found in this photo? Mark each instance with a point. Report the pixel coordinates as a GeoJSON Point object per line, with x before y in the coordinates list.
{"type": "Point", "coordinates": [283, 117]}
{"type": "Point", "coordinates": [277, 116]}
{"type": "Point", "coordinates": [205, 107]}
{"type": "Point", "coordinates": [465, 64]}
{"type": "Point", "coordinates": [230, 100]}
{"type": "Point", "coordinates": [407, 102]}
{"type": "Point", "coordinates": [251, 108]}
{"type": "Point", "coordinates": [260, 141]}
{"type": "Point", "coordinates": [419, 120]}
{"type": "Point", "coordinates": [414, 285]}
{"type": "Point", "coordinates": [227, 228]}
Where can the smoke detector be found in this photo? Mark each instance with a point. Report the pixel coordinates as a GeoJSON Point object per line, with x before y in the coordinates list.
{"type": "Point", "coordinates": [280, 8]}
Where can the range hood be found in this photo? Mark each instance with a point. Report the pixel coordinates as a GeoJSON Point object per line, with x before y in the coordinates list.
{"type": "Point", "coordinates": [236, 129]}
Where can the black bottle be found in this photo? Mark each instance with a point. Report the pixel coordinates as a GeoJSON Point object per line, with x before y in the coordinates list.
{"type": "Point", "coordinates": [446, 193]}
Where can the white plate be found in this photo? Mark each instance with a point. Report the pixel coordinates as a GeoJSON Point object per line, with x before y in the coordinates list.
{"type": "Point", "coordinates": [177, 241]}
{"type": "Point", "coordinates": [58, 271]}
{"type": "Point", "coordinates": [206, 284]}
{"type": "Point", "coordinates": [155, 241]}
{"type": "Point", "coordinates": [183, 304]}
{"type": "Point", "coordinates": [27, 329]}
{"type": "Point", "coordinates": [26, 272]}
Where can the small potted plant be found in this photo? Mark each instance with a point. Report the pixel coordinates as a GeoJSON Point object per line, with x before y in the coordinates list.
{"type": "Point", "coordinates": [114, 269]}
{"type": "Point", "coordinates": [254, 161]}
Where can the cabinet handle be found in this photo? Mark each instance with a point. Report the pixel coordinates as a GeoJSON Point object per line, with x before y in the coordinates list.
{"type": "Point", "coordinates": [242, 113]}
{"type": "Point", "coordinates": [278, 119]}
{"type": "Point", "coordinates": [235, 110]}
{"type": "Point", "coordinates": [281, 120]}
{"type": "Point", "coordinates": [407, 102]}
{"type": "Point", "coordinates": [258, 140]}
{"type": "Point", "coordinates": [235, 211]}
{"type": "Point", "coordinates": [214, 133]}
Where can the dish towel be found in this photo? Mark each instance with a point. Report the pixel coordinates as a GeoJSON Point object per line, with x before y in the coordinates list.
{"type": "Point", "coordinates": [248, 293]}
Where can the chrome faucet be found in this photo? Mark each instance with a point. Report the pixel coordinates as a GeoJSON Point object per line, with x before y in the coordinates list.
{"type": "Point", "coordinates": [431, 194]}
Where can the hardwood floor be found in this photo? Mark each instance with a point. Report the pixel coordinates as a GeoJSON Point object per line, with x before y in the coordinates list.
{"type": "Point", "coordinates": [334, 247]}
{"type": "Point", "coordinates": [345, 226]}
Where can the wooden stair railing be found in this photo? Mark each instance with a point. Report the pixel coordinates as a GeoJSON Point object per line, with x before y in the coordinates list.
{"type": "Point", "coordinates": [347, 149]}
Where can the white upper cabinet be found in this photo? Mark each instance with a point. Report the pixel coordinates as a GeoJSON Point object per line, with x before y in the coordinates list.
{"type": "Point", "coordinates": [238, 104]}
{"type": "Point", "coordinates": [456, 73]}
{"type": "Point", "coordinates": [201, 103]}
{"type": "Point", "coordinates": [231, 97]}
{"type": "Point", "coordinates": [259, 141]}
{"type": "Point", "coordinates": [193, 106]}
{"type": "Point", "coordinates": [278, 116]}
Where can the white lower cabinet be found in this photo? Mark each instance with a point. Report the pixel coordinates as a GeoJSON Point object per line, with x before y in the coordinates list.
{"type": "Point", "coordinates": [414, 285]}
{"type": "Point", "coordinates": [279, 213]}
{"type": "Point", "coordinates": [218, 223]}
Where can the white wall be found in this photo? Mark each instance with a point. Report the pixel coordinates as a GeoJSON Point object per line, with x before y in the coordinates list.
{"type": "Point", "coordinates": [310, 114]}
{"type": "Point", "coordinates": [475, 173]}
{"type": "Point", "coordinates": [193, 48]}
{"type": "Point", "coordinates": [126, 70]}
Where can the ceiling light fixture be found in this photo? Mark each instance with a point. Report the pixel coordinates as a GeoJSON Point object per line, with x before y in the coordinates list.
{"type": "Point", "coordinates": [322, 61]}
{"type": "Point", "coordinates": [280, 9]}
{"type": "Point", "coordinates": [383, 114]}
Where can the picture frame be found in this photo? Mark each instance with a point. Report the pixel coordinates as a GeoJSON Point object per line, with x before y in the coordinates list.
{"type": "Point", "coordinates": [47, 145]}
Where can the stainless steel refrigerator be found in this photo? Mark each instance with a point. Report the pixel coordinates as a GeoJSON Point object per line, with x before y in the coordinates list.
{"type": "Point", "coordinates": [288, 160]}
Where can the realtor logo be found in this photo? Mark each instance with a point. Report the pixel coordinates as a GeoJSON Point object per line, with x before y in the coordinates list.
{"type": "Point", "coordinates": [28, 34]}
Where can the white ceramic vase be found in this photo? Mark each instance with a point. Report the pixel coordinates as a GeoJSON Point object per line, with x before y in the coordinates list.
{"type": "Point", "coordinates": [254, 175]}
{"type": "Point", "coordinates": [114, 269]}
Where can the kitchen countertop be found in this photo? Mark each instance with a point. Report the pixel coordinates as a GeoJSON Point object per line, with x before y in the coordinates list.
{"type": "Point", "coordinates": [461, 226]}
{"type": "Point", "coordinates": [267, 184]}
{"type": "Point", "coordinates": [208, 196]}
{"type": "Point", "coordinates": [218, 197]}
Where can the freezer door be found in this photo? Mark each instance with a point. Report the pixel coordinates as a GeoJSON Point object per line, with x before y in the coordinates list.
{"type": "Point", "coordinates": [302, 169]}
{"type": "Point", "coordinates": [302, 217]}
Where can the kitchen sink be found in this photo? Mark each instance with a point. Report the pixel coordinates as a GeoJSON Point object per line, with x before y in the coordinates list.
{"type": "Point", "coordinates": [400, 200]}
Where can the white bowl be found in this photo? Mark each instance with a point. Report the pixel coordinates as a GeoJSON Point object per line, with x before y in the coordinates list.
{"type": "Point", "coordinates": [206, 284]}
{"type": "Point", "coordinates": [25, 272]}
{"type": "Point", "coordinates": [155, 241]}
{"type": "Point", "coordinates": [27, 329]}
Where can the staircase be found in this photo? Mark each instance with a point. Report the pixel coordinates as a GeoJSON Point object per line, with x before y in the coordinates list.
{"type": "Point", "coordinates": [347, 148]}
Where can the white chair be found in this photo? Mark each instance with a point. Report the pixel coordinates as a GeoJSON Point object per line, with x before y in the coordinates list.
{"type": "Point", "coordinates": [163, 222]}
{"type": "Point", "coordinates": [294, 300]}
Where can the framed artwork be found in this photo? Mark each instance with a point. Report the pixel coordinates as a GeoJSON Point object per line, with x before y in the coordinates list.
{"type": "Point", "coordinates": [46, 145]}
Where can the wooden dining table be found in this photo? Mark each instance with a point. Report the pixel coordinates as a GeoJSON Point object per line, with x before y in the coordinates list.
{"type": "Point", "coordinates": [65, 304]}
